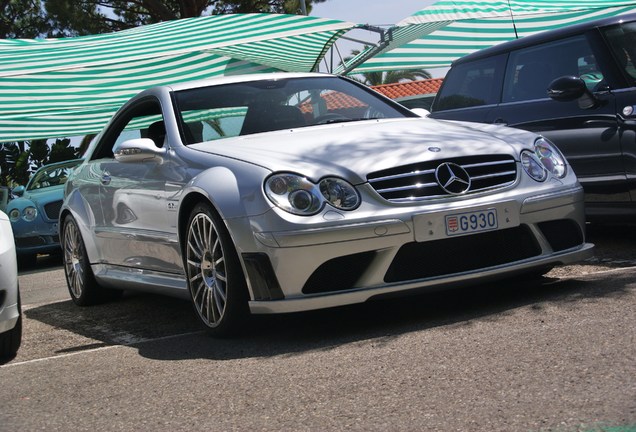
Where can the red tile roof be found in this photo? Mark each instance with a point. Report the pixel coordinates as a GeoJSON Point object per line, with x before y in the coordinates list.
{"type": "Point", "coordinates": [338, 101]}
{"type": "Point", "coordinates": [403, 90]}
{"type": "Point", "coordinates": [335, 101]}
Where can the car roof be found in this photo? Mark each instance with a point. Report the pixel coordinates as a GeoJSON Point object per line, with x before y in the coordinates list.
{"type": "Point", "coordinates": [546, 36]}
{"type": "Point", "coordinates": [242, 78]}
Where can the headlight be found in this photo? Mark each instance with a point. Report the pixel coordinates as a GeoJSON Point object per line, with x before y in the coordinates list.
{"type": "Point", "coordinates": [550, 157]}
{"type": "Point", "coordinates": [533, 166]}
{"type": "Point", "coordinates": [14, 215]}
{"type": "Point", "coordinates": [298, 195]}
{"type": "Point", "coordinates": [546, 159]}
{"type": "Point", "coordinates": [29, 213]}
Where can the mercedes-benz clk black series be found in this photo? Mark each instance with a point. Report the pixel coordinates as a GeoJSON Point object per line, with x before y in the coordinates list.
{"type": "Point", "coordinates": [289, 192]}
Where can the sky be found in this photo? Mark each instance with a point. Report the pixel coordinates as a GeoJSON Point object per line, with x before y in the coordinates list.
{"type": "Point", "coordinates": [374, 12]}
{"type": "Point", "coordinates": [381, 13]}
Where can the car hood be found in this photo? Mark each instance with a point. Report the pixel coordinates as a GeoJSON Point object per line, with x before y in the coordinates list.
{"type": "Point", "coordinates": [352, 150]}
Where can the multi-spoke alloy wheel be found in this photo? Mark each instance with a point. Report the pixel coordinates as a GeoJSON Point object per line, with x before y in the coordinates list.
{"type": "Point", "coordinates": [81, 282]}
{"type": "Point", "coordinates": [215, 282]}
{"type": "Point", "coordinates": [73, 259]}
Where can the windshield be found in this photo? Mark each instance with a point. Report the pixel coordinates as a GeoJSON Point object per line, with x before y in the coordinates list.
{"type": "Point", "coordinates": [260, 106]}
{"type": "Point", "coordinates": [52, 175]}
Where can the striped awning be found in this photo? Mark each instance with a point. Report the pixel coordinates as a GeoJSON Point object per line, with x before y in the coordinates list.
{"type": "Point", "coordinates": [72, 86]}
{"type": "Point", "coordinates": [450, 29]}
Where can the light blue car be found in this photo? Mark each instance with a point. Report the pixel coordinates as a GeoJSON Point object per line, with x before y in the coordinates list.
{"type": "Point", "coordinates": [34, 214]}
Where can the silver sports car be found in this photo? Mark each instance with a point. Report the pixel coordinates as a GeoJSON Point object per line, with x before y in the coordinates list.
{"type": "Point", "coordinates": [288, 192]}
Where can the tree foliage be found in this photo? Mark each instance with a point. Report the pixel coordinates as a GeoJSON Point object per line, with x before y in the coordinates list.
{"type": "Point", "coordinates": [82, 17]}
{"type": "Point", "coordinates": [18, 160]}
{"type": "Point", "coordinates": [22, 19]}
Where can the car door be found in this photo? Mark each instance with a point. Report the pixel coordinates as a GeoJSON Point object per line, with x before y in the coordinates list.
{"type": "Point", "coordinates": [136, 231]}
{"type": "Point", "coordinates": [589, 137]}
{"type": "Point", "coordinates": [621, 40]}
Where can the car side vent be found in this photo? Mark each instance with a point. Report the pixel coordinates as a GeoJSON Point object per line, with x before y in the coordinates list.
{"type": "Point", "coordinates": [444, 178]}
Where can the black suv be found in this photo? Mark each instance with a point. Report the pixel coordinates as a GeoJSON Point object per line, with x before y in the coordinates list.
{"type": "Point", "coordinates": [576, 86]}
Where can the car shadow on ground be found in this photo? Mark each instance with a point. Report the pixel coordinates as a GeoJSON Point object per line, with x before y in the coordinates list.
{"type": "Point", "coordinates": [163, 328]}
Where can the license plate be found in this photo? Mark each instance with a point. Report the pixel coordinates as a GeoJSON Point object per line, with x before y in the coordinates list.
{"type": "Point", "coordinates": [470, 222]}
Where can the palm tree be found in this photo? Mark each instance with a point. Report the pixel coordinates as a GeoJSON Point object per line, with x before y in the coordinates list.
{"type": "Point", "coordinates": [388, 77]}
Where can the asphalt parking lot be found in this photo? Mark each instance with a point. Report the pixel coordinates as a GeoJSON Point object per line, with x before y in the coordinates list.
{"type": "Point", "coordinates": [558, 353]}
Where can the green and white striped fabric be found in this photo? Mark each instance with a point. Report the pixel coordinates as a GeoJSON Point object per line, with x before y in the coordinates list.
{"type": "Point", "coordinates": [72, 86]}
{"type": "Point", "coordinates": [449, 29]}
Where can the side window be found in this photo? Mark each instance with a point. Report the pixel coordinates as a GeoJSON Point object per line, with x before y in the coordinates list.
{"type": "Point", "coordinates": [142, 121]}
{"type": "Point", "coordinates": [622, 40]}
{"type": "Point", "coordinates": [531, 70]}
{"type": "Point", "coordinates": [472, 84]}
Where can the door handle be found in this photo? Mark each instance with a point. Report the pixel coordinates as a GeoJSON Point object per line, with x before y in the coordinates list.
{"type": "Point", "coordinates": [105, 179]}
{"type": "Point", "coordinates": [500, 121]}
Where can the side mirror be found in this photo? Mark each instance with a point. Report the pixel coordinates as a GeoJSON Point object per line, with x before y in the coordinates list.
{"type": "Point", "coordinates": [569, 88]}
{"type": "Point", "coordinates": [139, 150]}
{"type": "Point", "coordinates": [18, 191]}
{"type": "Point", "coordinates": [421, 112]}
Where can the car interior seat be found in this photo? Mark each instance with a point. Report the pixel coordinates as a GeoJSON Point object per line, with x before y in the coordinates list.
{"type": "Point", "coordinates": [269, 115]}
{"type": "Point", "coordinates": [157, 132]}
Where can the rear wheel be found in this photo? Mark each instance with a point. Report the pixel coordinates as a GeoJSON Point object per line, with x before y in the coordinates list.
{"type": "Point", "coordinates": [215, 279]}
{"type": "Point", "coordinates": [84, 289]}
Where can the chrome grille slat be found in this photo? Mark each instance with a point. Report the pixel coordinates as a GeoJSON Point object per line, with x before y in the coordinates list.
{"type": "Point", "coordinates": [419, 186]}
{"type": "Point", "coordinates": [415, 182]}
{"type": "Point", "coordinates": [398, 176]}
{"type": "Point", "coordinates": [507, 173]}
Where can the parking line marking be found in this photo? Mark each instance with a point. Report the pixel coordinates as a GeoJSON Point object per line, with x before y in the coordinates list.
{"type": "Point", "coordinates": [25, 362]}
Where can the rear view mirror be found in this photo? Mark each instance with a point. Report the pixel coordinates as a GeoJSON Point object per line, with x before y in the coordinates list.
{"type": "Point", "coordinates": [139, 150]}
{"type": "Point", "coordinates": [569, 88]}
{"type": "Point", "coordinates": [18, 191]}
{"type": "Point", "coordinates": [420, 112]}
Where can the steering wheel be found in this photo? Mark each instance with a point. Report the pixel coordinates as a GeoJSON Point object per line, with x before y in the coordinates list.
{"type": "Point", "coordinates": [326, 118]}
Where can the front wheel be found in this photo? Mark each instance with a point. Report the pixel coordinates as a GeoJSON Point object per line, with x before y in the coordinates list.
{"type": "Point", "coordinates": [215, 278]}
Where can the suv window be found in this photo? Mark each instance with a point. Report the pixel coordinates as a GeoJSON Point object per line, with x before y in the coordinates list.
{"type": "Point", "coordinates": [531, 70]}
{"type": "Point", "coordinates": [622, 40]}
{"type": "Point", "coordinates": [472, 84]}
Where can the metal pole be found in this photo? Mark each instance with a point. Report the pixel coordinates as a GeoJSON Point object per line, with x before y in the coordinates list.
{"type": "Point", "coordinates": [303, 7]}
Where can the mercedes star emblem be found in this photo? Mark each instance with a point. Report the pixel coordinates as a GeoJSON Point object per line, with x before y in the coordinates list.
{"type": "Point", "coordinates": [452, 178]}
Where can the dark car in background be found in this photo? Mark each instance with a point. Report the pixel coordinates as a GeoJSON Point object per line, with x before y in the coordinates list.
{"type": "Point", "coordinates": [576, 86]}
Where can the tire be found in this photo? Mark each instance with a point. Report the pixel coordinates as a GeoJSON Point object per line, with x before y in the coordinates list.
{"type": "Point", "coordinates": [82, 286]}
{"type": "Point", "coordinates": [215, 279]}
{"type": "Point", "coordinates": [11, 340]}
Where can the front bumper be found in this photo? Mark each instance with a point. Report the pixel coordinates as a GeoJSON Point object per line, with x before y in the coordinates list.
{"type": "Point", "coordinates": [339, 264]}
{"type": "Point", "coordinates": [36, 237]}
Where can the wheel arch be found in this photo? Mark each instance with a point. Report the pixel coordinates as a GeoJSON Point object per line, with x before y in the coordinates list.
{"type": "Point", "coordinates": [85, 220]}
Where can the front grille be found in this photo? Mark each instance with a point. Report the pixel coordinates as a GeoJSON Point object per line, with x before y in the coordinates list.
{"type": "Point", "coordinates": [417, 181]}
{"type": "Point", "coordinates": [52, 209]}
{"type": "Point", "coordinates": [460, 254]}
{"type": "Point", "coordinates": [24, 242]}
{"type": "Point", "coordinates": [43, 240]}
